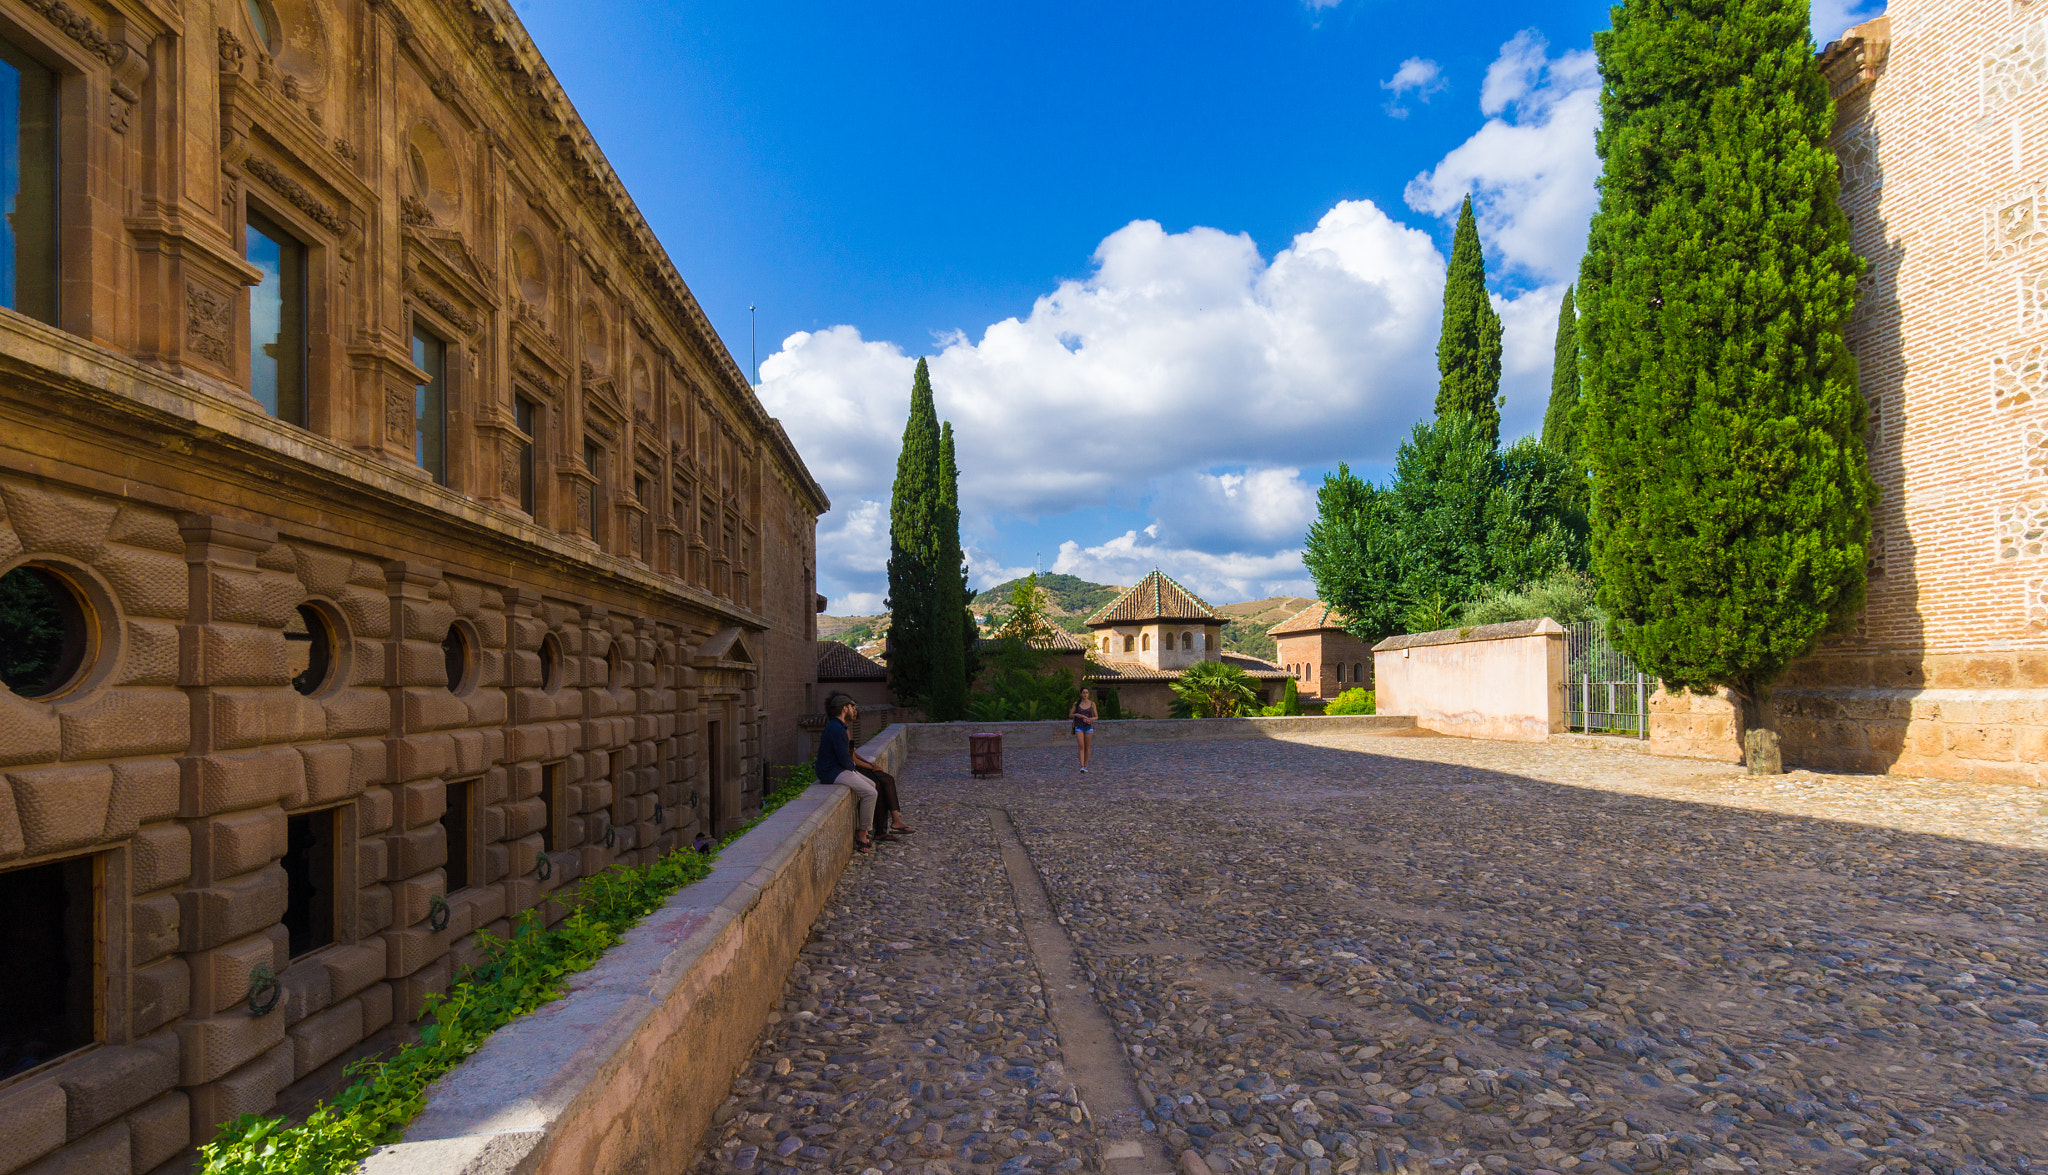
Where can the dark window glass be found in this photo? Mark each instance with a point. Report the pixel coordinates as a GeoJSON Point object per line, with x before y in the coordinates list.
{"type": "Point", "coordinates": [44, 632]}
{"type": "Point", "coordinates": [309, 860]}
{"type": "Point", "coordinates": [455, 656]}
{"type": "Point", "coordinates": [593, 459]}
{"type": "Point", "coordinates": [430, 404]}
{"type": "Point", "coordinates": [46, 972]}
{"type": "Point", "coordinates": [309, 649]}
{"type": "Point", "coordinates": [551, 798]}
{"type": "Point", "coordinates": [28, 185]}
{"type": "Point", "coordinates": [522, 415]}
{"type": "Point", "coordinates": [455, 827]}
{"type": "Point", "coordinates": [277, 322]}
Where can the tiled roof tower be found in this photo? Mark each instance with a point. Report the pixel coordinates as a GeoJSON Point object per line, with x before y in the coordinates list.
{"type": "Point", "coordinates": [1155, 597]}
{"type": "Point", "coordinates": [1317, 617]}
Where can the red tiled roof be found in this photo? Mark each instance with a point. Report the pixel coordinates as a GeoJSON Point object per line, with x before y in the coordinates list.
{"type": "Point", "coordinates": [1155, 597]}
{"type": "Point", "coordinates": [1314, 618]}
{"type": "Point", "coordinates": [837, 662]}
{"type": "Point", "coordinates": [1057, 640]}
{"type": "Point", "coordinates": [1112, 671]}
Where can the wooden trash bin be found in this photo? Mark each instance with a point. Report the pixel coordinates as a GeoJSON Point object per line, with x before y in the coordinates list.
{"type": "Point", "coordinates": [985, 754]}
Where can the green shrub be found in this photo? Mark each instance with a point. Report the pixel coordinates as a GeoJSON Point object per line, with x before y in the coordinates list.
{"type": "Point", "coordinates": [1109, 703]}
{"type": "Point", "coordinates": [517, 976]}
{"type": "Point", "coordinates": [1289, 705]}
{"type": "Point", "coordinates": [1351, 701]}
{"type": "Point", "coordinates": [1214, 689]}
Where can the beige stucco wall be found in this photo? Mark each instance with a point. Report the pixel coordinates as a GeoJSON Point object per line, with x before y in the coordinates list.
{"type": "Point", "coordinates": [1484, 687]}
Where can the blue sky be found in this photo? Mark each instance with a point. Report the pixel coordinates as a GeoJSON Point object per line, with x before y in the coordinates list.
{"type": "Point", "coordinates": [1172, 261]}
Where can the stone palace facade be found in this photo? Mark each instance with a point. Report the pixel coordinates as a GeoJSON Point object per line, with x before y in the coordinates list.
{"type": "Point", "coordinates": [386, 541]}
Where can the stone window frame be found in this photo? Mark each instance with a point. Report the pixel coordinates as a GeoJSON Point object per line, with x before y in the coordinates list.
{"type": "Point", "coordinates": [548, 503]}
{"type": "Point", "coordinates": [103, 617]}
{"type": "Point", "coordinates": [475, 866]}
{"type": "Point", "coordinates": [112, 1023]}
{"type": "Point", "coordinates": [459, 406]}
{"type": "Point", "coordinates": [347, 874]}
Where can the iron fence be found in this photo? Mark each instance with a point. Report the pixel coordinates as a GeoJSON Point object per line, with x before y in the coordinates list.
{"type": "Point", "coordinates": [1604, 691]}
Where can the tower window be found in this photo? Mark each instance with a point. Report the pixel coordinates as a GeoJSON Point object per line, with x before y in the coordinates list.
{"type": "Point", "coordinates": [310, 885]}
{"type": "Point", "coordinates": [277, 322]}
{"type": "Point", "coordinates": [28, 185]}
{"type": "Point", "coordinates": [430, 404]}
{"type": "Point", "coordinates": [46, 972]}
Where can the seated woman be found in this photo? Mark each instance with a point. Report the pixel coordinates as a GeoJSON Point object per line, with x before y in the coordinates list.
{"type": "Point", "coordinates": [836, 764]}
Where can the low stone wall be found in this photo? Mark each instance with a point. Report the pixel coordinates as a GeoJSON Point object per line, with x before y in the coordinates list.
{"type": "Point", "coordinates": [1503, 681]}
{"type": "Point", "coordinates": [950, 738]}
{"type": "Point", "coordinates": [624, 1072]}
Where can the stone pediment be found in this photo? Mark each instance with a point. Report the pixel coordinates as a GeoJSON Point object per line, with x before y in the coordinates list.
{"type": "Point", "coordinates": [726, 649]}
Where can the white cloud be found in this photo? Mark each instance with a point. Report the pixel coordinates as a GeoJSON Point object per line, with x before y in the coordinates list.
{"type": "Point", "coordinates": [1191, 378]}
{"type": "Point", "coordinates": [1832, 18]}
{"type": "Point", "coordinates": [1530, 169]}
{"type": "Point", "coordinates": [1319, 5]}
{"type": "Point", "coordinates": [1418, 76]}
{"type": "Point", "coordinates": [1229, 576]}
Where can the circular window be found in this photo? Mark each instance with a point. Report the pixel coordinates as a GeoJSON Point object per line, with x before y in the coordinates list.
{"type": "Point", "coordinates": [313, 647]}
{"type": "Point", "coordinates": [456, 654]}
{"type": "Point", "coordinates": [47, 635]}
{"type": "Point", "coordinates": [550, 662]}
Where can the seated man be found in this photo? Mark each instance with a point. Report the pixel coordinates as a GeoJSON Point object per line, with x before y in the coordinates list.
{"type": "Point", "coordinates": [836, 764]}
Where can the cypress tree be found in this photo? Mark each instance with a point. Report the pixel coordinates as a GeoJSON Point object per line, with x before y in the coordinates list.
{"type": "Point", "coordinates": [1468, 350]}
{"type": "Point", "coordinates": [949, 602]}
{"type": "Point", "coordinates": [1560, 419]}
{"type": "Point", "coordinates": [916, 521]}
{"type": "Point", "coordinates": [1721, 418]}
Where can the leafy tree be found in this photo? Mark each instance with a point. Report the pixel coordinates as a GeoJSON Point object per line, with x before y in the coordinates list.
{"type": "Point", "coordinates": [1560, 419]}
{"type": "Point", "coordinates": [1565, 595]}
{"type": "Point", "coordinates": [1289, 705]}
{"type": "Point", "coordinates": [1468, 350]}
{"type": "Point", "coordinates": [1357, 700]}
{"type": "Point", "coordinates": [917, 520]}
{"type": "Point", "coordinates": [1024, 681]}
{"type": "Point", "coordinates": [1722, 422]}
{"type": "Point", "coordinates": [1460, 518]}
{"type": "Point", "coordinates": [1215, 689]}
{"type": "Point", "coordinates": [31, 631]}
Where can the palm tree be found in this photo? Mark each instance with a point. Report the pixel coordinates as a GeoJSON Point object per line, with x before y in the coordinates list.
{"type": "Point", "coordinates": [1213, 689]}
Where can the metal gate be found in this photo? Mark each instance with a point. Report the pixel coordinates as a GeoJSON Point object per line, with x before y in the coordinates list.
{"type": "Point", "coordinates": [1604, 691]}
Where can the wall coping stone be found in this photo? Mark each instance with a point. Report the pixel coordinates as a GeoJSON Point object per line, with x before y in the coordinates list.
{"type": "Point", "coordinates": [494, 1113]}
{"type": "Point", "coordinates": [1473, 632]}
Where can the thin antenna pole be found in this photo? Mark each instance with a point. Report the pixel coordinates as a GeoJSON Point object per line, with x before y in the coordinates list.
{"type": "Point", "coordinates": [753, 344]}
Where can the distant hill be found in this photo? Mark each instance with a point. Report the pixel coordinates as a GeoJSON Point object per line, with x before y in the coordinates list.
{"type": "Point", "coordinates": [1073, 599]}
{"type": "Point", "coordinates": [1246, 631]}
{"type": "Point", "coordinates": [853, 631]}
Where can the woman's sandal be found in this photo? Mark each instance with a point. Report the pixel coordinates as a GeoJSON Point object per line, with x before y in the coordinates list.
{"type": "Point", "coordinates": [862, 844]}
{"type": "Point", "coordinates": [899, 830]}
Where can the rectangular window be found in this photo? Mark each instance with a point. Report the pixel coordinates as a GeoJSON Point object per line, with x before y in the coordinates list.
{"type": "Point", "coordinates": [523, 413]}
{"type": "Point", "coordinates": [310, 882]}
{"type": "Point", "coordinates": [646, 519]}
{"type": "Point", "coordinates": [593, 461]}
{"type": "Point", "coordinates": [430, 404]}
{"type": "Point", "coordinates": [277, 322]}
{"type": "Point", "coordinates": [551, 797]}
{"type": "Point", "coordinates": [455, 825]}
{"type": "Point", "coordinates": [28, 185]}
{"type": "Point", "coordinates": [46, 972]}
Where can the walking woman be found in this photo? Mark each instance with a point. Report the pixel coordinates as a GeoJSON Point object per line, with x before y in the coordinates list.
{"type": "Point", "coordinates": [1083, 718]}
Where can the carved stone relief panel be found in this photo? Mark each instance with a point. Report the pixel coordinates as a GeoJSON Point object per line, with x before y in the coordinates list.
{"type": "Point", "coordinates": [2015, 223]}
{"type": "Point", "coordinates": [2017, 376]}
{"type": "Point", "coordinates": [2012, 68]}
{"type": "Point", "coordinates": [508, 469]}
{"type": "Point", "coordinates": [398, 415]}
{"type": "Point", "coordinates": [209, 322]}
{"type": "Point", "coordinates": [583, 508]}
{"type": "Point", "coordinates": [2022, 529]}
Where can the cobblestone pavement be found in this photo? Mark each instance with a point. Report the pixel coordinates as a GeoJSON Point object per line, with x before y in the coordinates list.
{"type": "Point", "coordinates": [1375, 953]}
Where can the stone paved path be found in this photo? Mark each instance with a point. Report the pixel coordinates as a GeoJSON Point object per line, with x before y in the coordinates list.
{"type": "Point", "coordinates": [1384, 953]}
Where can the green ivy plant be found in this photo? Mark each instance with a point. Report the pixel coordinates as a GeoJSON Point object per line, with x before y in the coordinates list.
{"type": "Point", "coordinates": [518, 975]}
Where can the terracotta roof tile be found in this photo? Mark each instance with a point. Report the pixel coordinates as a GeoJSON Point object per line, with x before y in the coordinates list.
{"type": "Point", "coordinates": [1056, 640]}
{"type": "Point", "coordinates": [1314, 618]}
{"type": "Point", "coordinates": [837, 662]}
{"type": "Point", "coordinates": [1155, 597]}
{"type": "Point", "coordinates": [1112, 670]}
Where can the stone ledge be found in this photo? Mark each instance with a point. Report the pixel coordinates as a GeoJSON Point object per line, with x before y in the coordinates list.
{"type": "Point", "coordinates": [1473, 632]}
{"type": "Point", "coordinates": [625, 1071]}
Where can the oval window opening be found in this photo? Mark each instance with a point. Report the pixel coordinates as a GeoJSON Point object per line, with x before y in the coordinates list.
{"type": "Point", "coordinates": [455, 656]}
{"type": "Point", "coordinates": [45, 632]}
{"type": "Point", "coordinates": [550, 662]}
{"type": "Point", "coordinates": [310, 645]}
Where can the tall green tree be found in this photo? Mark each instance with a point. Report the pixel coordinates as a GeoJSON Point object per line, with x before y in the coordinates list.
{"type": "Point", "coordinates": [917, 522]}
{"type": "Point", "coordinates": [1561, 418]}
{"type": "Point", "coordinates": [1468, 350]}
{"type": "Point", "coordinates": [952, 627]}
{"type": "Point", "coordinates": [1461, 518]}
{"type": "Point", "coordinates": [1722, 423]}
